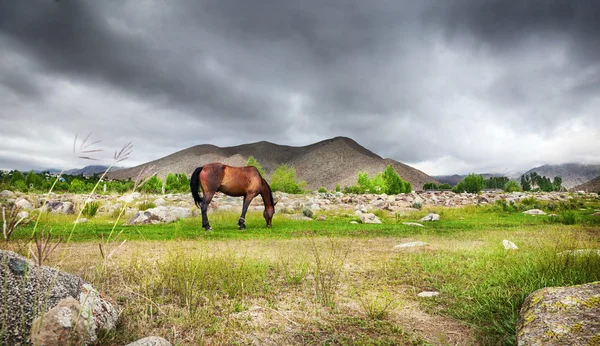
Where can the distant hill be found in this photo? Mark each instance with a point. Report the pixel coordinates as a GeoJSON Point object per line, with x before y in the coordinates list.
{"type": "Point", "coordinates": [590, 186]}
{"type": "Point", "coordinates": [572, 174]}
{"type": "Point", "coordinates": [326, 163]}
{"type": "Point", "coordinates": [85, 171]}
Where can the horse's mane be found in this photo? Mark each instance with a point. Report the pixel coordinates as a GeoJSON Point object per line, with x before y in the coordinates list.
{"type": "Point", "coordinates": [270, 192]}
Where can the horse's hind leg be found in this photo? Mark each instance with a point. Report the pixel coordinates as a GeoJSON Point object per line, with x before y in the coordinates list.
{"type": "Point", "coordinates": [242, 220]}
{"type": "Point", "coordinates": [204, 207]}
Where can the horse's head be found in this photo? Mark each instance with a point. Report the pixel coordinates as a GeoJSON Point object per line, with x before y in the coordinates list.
{"type": "Point", "coordinates": [268, 214]}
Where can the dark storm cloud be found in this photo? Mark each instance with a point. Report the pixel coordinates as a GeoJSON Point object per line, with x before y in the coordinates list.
{"type": "Point", "coordinates": [415, 81]}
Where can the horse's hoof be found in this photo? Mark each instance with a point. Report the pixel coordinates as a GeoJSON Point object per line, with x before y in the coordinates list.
{"type": "Point", "coordinates": [241, 228]}
{"type": "Point", "coordinates": [208, 228]}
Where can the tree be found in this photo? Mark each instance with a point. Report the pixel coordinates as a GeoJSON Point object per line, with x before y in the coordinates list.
{"type": "Point", "coordinates": [254, 163]}
{"type": "Point", "coordinates": [33, 179]}
{"type": "Point", "coordinates": [77, 186]}
{"type": "Point", "coordinates": [430, 186]}
{"type": "Point", "coordinates": [394, 184]}
{"type": "Point", "coordinates": [284, 179]}
{"type": "Point", "coordinates": [472, 183]}
{"type": "Point", "coordinates": [172, 183]}
{"type": "Point", "coordinates": [557, 183]}
{"type": "Point", "coordinates": [17, 176]}
{"type": "Point", "coordinates": [512, 186]}
{"type": "Point", "coordinates": [525, 182]}
{"type": "Point", "coordinates": [152, 185]}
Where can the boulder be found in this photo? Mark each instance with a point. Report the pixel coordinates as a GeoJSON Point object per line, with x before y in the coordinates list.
{"type": "Point", "coordinates": [24, 204]}
{"type": "Point", "coordinates": [561, 316]}
{"type": "Point", "coordinates": [58, 207]}
{"type": "Point", "coordinates": [534, 212]}
{"type": "Point", "coordinates": [150, 341]}
{"type": "Point", "coordinates": [30, 290]}
{"type": "Point", "coordinates": [60, 325]}
{"type": "Point", "coordinates": [369, 218]}
{"type": "Point", "coordinates": [509, 245]}
{"type": "Point", "coordinates": [430, 217]}
{"type": "Point", "coordinates": [413, 224]}
{"type": "Point", "coordinates": [6, 194]}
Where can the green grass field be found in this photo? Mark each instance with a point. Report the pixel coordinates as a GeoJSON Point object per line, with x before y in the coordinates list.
{"type": "Point", "coordinates": [329, 282]}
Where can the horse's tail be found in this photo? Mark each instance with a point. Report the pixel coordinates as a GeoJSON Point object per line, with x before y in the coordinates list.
{"type": "Point", "coordinates": [194, 184]}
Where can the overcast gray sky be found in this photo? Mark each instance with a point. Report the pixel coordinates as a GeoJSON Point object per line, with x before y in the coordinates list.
{"type": "Point", "coordinates": [444, 86]}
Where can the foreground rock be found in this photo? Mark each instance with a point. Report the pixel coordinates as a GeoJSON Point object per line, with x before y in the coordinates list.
{"type": "Point", "coordinates": [369, 218]}
{"type": "Point", "coordinates": [160, 214]}
{"type": "Point", "coordinates": [150, 341]}
{"type": "Point", "coordinates": [561, 316]}
{"type": "Point", "coordinates": [29, 291]}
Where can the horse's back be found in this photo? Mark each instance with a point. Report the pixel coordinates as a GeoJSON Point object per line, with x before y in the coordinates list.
{"type": "Point", "coordinates": [233, 181]}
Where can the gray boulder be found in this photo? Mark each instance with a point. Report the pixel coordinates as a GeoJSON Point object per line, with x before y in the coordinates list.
{"type": "Point", "coordinates": [29, 291]}
{"type": "Point", "coordinates": [23, 204]}
{"type": "Point", "coordinates": [160, 214]}
{"type": "Point", "coordinates": [369, 218]}
{"type": "Point", "coordinates": [430, 217]}
{"type": "Point", "coordinates": [58, 207]}
{"type": "Point", "coordinates": [534, 212]}
{"type": "Point", "coordinates": [6, 194]}
{"type": "Point", "coordinates": [561, 316]}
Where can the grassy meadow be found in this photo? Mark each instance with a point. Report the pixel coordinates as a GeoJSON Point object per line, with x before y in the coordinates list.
{"type": "Point", "coordinates": [328, 282]}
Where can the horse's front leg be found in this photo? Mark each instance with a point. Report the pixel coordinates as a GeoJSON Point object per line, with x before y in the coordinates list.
{"type": "Point", "coordinates": [242, 220]}
{"type": "Point", "coordinates": [204, 207]}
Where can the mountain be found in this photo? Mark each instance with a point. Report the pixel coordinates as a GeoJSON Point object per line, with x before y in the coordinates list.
{"type": "Point", "coordinates": [590, 186]}
{"type": "Point", "coordinates": [326, 163]}
{"type": "Point", "coordinates": [85, 171]}
{"type": "Point", "coordinates": [572, 174]}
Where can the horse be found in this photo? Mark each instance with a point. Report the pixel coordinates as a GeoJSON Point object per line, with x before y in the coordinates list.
{"type": "Point", "coordinates": [243, 182]}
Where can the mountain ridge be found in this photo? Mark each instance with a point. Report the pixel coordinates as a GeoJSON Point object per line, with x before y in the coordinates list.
{"type": "Point", "coordinates": [325, 163]}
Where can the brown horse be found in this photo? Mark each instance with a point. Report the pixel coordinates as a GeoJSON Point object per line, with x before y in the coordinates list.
{"type": "Point", "coordinates": [233, 181]}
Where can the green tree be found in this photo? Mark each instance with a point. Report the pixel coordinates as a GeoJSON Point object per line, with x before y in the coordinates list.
{"type": "Point", "coordinates": [445, 186]}
{"type": "Point", "coordinates": [77, 186]}
{"type": "Point", "coordinates": [525, 182]}
{"type": "Point", "coordinates": [363, 183]}
{"type": "Point", "coordinates": [254, 163]}
{"type": "Point", "coordinates": [152, 185]}
{"type": "Point", "coordinates": [557, 183]}
{"type": "Point", "coordinates": [284, 179]}
{"type": "Point", "coordinates": [472, 183]}
{"type": "Point", "coordinates": [430, 186]}
{"type": "Point", "coordinates": [512, 186]}
{"type": "Point", "coordinates": [172, 183]}
{"type": "Point", "coordinates": [17, 176]}
{"type": "Point", "coordinates": [394, 183]}
{"type": "Point", "coordinates": [34, 179]}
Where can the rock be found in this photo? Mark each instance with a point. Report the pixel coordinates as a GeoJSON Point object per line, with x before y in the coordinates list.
{"type": "Point", "coordinates": [509, 245]}
{"type": "Point", "coordinates": [58, 207]}
{"type": "Point", "coordinates": [534, 212]}
{"type": "Point", "coordinates": [81, 220]}
{"type": "Point", "coordinates": [369, 218]}
{"type": "Point", "coordinates": [6, 194]}
{"type": "Point", "coordinates": [321, 218]}
{"type": "Point", "coordinates": [23, 204]}
{"type": "Point", "coordinates": [150, 341]}
{"type": "Point", "coordinates": [561, 316]}
{"type": "Point", "coordinates": [427, 294]}
{"type": "Point", "coordinates": [353, 222]}
{"type": "Point", "coordinates": [159, 202]}
{"type": "Point", "coordinates": [30, 290]}
{"type": "Point", "coordinates": [412, 224]}
{"type": "Point", "coordinates": [411, 244]}
{"type": "Point", "coordinates": [430, 217]}
{"type": "Point", "coordinates": [23, 215]}
{"type": "Point", "coordinates": [596, 213]}
{"type": "Point", "coordinates": [580, 252]}
{"type": "Point", "coordinates": [130, 197]}
{"type": "Point", "coordinates": [61, 325]}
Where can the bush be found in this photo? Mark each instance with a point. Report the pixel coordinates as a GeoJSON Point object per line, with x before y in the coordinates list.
{"type": "Point", "coordinates": [254, 163]}
{"type": "Point", "coordinates": [387, 182]}
{"type": "Point", "coordinates": [145, 205]}
{"type": "Point", "coordinates": [337, 188]}
{"type": "Point", "coordinates": [472, 183]}
{"type": "Point", "coordinates": [512, 186]}
{"type": "Point", "coordinates": [284, 179]}
{"type": "Point", "coordinates": [322, 190]}
{"type": "Point", "coordinates": [153, 185]}
{"type": "Point", "coordinates": [91, 209]}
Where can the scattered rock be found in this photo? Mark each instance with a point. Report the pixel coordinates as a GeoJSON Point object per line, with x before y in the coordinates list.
{"type": "Point", "coordinates": [130, 197]}
{"type": "Point", "coordinates": [23, 204]}
{"type": "Point", "coordinates": [353, 222]}
{"type": "Point", "coordinates": [159, 202]}
{"type": "Point", "coordinates": [534, 212]}
{"type": "Point", "coordinates": [509, 245]}
{"type": "Point", "coordinates": [23, 215]}
{"type": "Point", "coordinates": [561, 316]}
{"type": "Point", "coordinates": [411, 244]}
{"type": "Point", "coordinates": [30, 290]}
{"type": "Point", "coordinates": [6, 194]}
{"type": "Point", "coordinates": [58, 207]}
{"type": "Point", "coordinates": [81, 220]}
{"type": "Point", "coordinates": [369, 218]}
{"type": "Point", "coordinates": [427, 294]}
{"type": "Point", "coordinates": [430, 217]}
{"type": "Point", "coordinates": [150, 341]}
{"type": "Point", "coordinates": [321, 218]}
{"type": "Point", "coordinates": [63, 324]}
{"type": "Point", "coordinates": [413, 224]}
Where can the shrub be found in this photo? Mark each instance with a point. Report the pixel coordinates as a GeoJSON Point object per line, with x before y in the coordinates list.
{"type": "Point", "coordinates": [254, 163]}
{"type": "Point", "coordinates": [145, 205]}
{"type": "Point", "coordinates": [430, 186]}
{"type": "Point", "coordinates": [284, 179]}
{"type": "Point", "coordinates": [152, 185]}
{"type": "Point", "coordinates": [322, 190]}
{"type": "Point", "coordinates": [472, 183]}
{"type": "Point", "coordinates": [337, 188]}
{"type": "Point", "coordinates": [512, 186]}
{"type": "Point", "coordinates": [91, 209]}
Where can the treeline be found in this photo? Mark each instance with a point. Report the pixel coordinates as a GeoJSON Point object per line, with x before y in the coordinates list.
{"type": "Point", "coordinates": [475, 183]}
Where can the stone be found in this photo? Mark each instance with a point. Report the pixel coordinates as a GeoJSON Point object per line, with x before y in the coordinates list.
{"type": "Point", "coordinates": [534, 212]}
{"type": "Point", "coordinates": [58, 207]}
{"type": "Point", "coordinates": [411, 244]}
{"type": "Point", "coordinates": [130, 197]}
{"type": "Point", "coordinates": [430, 217]}
{"type": "Point", "coordinates": [6, 194]}
{"type": "Point", "coordinates": [427, 294]}
{"type": "Point", "coordinates": [369, 218]}
{"type": "Point", "coordinates": [81, 220]}
{"type": "Point", "coordinates": [413, 224]}
{"type": "Point", "coordinates": [150, 341]}
{"type": "Point", "coordinates": [23, 204]}
{"type": "Point", "coordinates": [159, 202]}
{"type": "Point", "coordinates": [580, 252]}
{"type": "Point", "coordinates": [561, 316]}
{"type": "Point", "coordinates": [509, 245]}
{"type": "Point", "coordinates": [31, 290]}
{"type": "Point", "coordinates": [61, 325]}
{"type": "Point", "coordinates": [321, 218]}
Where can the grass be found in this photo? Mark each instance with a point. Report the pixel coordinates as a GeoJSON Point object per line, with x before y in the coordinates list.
{"type": "Point", "coordinates": [331, 282]}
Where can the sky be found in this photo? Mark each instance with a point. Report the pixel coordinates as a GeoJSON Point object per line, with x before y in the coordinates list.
{"type": "Point", "coordinates": [444, 86]}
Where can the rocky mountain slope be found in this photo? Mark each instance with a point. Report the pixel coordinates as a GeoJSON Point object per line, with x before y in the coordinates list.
{"type": "Point", "coordinates": [572, 174]}
{"type": "Point", "coordinates": [590, 186]}
{"type": "Point", "coordinates": [326, 163]}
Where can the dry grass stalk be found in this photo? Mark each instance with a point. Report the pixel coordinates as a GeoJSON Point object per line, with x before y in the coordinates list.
{"type": "Point", "coordinates": [43, 247]}
{"type": "Point", "coordinates": [9, 225]}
